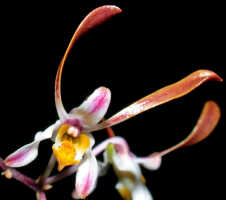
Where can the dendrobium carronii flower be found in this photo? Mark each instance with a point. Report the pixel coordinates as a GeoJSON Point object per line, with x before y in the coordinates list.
{"type": "Point", "coordinates": [72, 137]}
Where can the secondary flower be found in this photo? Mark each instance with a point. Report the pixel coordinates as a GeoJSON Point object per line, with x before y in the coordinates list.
{"type": "Point", "coordinates": [131, 185]}
{"type": "Point", "coordinates": [71, 134]}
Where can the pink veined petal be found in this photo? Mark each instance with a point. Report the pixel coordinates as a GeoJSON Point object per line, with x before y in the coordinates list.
{"type": "Point", "coordinates": [26, 154]}
{"type": "Point", "coordinates": [151, 162]}
{"type": "Point", "coordinates": [207, 122]}
{"type": "Point", "coordinates": [161, 96]}
{"type": "Point", "coordinates": [93, 19]}
{"type": "Point", "coordinates": [86, 177]}
{"type": "Point", "coordinates": [23, 156]}
{"type": "Point", "coordinates": [93, 109]}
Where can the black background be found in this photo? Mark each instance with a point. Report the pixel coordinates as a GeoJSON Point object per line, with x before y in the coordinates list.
{"type": "Point", "coordinates": [135, 53]}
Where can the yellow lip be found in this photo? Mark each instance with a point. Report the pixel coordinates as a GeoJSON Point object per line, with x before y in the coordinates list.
{"type": "Point", "coordinates": [67, 149]}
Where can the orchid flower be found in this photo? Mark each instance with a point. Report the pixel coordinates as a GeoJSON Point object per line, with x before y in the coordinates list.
{"type": "Point", "coordinates": [131, 185]}
{"type": "Point", "coordinates": [72, 133]}
{"type": "Point", "coordinates": [69, 133]}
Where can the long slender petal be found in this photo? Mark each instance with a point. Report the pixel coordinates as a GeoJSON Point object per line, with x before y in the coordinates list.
{"type": "Point", "coordinates": [26, 154]}
{"type": "Point", "coordinates": [161, 96]}
{"type": "Point", "coordinates": [94, 18]}
{"type": "Point", "coordinates": [93, 109]}
{"type": "Point", "coordinates": [86, 177]}
{"type": "Point", "coordinates": [207, 122]}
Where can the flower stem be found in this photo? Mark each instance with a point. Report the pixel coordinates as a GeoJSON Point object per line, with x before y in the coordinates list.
{"type": "Point", "coordinates": [19, 176]}
{"type": "Point", "coordinates": [48, 169]}
{"type": "Point", "coordinates": [110, 132]}
{"type": "Point", "coordinates": [67, 172]}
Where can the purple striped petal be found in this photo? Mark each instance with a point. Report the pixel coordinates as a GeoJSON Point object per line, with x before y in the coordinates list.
{"type": "Point", "coordinates": [26, 154]}
{"type": "Point", "coordinates": [93, 109]}
{"type": "Point", "coordinates": [23, 156]}
{"type": "Point", "coordinates": [86, 177]}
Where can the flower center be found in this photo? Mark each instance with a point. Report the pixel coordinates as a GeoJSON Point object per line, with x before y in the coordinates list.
{"type": "Point", "coordinates": [70, 145]}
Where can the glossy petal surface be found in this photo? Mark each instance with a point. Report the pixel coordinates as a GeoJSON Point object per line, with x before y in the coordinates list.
{"type": "Point", "coordinates": [161, 96]}
{"type": "Point", "coordinates": [93, 19]}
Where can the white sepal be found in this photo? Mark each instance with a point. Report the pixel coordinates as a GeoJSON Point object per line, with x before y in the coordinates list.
{"type": "Point", "coordinates": [93, 109]}
{"type": "Point", "coordinates": [86, 176]}
{"type": "Point", "coordinates": [26, 154]}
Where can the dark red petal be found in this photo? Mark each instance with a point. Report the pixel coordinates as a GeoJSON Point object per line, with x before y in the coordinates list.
{"type": "Point", "coordinates": [161, 96]}
{"type": "Point", "coordinates": [93, 19]}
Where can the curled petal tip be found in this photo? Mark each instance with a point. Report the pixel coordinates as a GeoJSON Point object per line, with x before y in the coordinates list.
{"type": "Point", "coordinates": [113, 8]}
{"type": "Point", "coordinates": [204, 127]}
{"type": "Point", "coordinates": [93, 19]}
{"type": "Point", "coordinates": [161, 96]}
{"type": "Point", "coordinates": [207, 122]}
{"type": "Point", "coordinates": [209, 73]}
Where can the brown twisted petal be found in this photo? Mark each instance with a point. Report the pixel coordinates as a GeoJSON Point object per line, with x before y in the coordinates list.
{"type": "Point", "coordinates": [207, 122]}
{"type": "Point", "coordinates": [161, 96]}
{"type": "Point", "coordinates": [93, 19]}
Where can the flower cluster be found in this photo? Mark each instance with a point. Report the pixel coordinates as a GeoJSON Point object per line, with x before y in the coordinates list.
{"type": "Point", "coordinates": [74, 145]}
